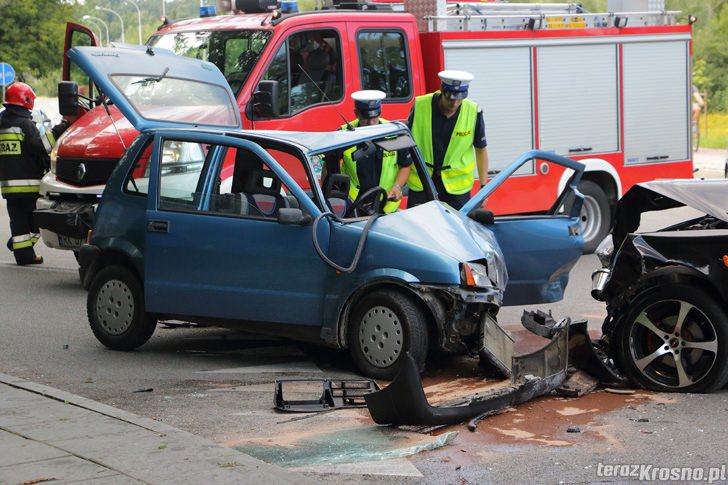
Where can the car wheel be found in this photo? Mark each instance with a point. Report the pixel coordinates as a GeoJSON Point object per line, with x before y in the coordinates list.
{"type": "Point", "coordinates": [384, 326]}
{"type": "Point", "coordinates": [116, 311]}
{"type": "Point", "coordinates": [674, 339]}
{"type": "Point", "coordinates": [595, 215]}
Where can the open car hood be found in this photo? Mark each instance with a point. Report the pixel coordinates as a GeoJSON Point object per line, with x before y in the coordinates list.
{"type": "Point", "coordinates": [154, 88]}
{"type": "Point", "coordinates": [708, 196]}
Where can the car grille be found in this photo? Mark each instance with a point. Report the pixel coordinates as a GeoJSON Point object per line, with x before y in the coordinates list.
{"type": "Point", "coordinates": [84, 172]}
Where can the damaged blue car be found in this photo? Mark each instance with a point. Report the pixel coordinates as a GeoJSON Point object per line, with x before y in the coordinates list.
{"type": "Point", "coordinates": [204, 222]}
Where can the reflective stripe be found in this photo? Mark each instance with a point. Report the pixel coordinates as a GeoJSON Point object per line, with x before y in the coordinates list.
{"type": "Point", "coordinates": [19, 182]}
{"type": "Point", "coordinates": [11, 140]}
{"type": "Point", "coordinates": [26, 186]}
{"type": "Point", "coordinates": [24, 241]}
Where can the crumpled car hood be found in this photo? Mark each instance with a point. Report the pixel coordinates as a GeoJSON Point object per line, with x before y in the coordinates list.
{"type": "Point", "coordinates": [708, 196]}
{"type": "Point", "coordinates": [438, 228]}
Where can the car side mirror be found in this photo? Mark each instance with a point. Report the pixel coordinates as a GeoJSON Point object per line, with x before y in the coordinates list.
{"type": "Point", "coordinates": [68, 98]}
{"type": "Point", "coordinates": [293, 216]}
{"type": "Point", "coordinates": [483, 216]}
{"type": "Point", "coordinates": [264, 103]}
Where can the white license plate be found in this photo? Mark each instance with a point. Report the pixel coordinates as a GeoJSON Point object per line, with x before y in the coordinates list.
{"type": "Point", "coordinates": [69, 242]}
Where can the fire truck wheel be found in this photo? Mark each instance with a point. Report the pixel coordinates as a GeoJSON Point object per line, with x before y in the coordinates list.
{"type": "Point", "coordinates": [115, 308]}
{"type": "Point", "coordinates": [384, 326]}
{"type": "Point", "coordinates": [595, 215]}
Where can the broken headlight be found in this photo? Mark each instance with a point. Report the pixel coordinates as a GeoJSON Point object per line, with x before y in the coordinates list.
{"type": "Point", "coordinates": [604, 251]}
{"type": "Point", "coordinates": [475, 275]}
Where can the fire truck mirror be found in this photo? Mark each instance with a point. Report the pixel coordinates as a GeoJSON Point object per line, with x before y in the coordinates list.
{"type": "Point", "coordinates": [68, 98]}
{"type": "Point", "coordinates": [265, 100]}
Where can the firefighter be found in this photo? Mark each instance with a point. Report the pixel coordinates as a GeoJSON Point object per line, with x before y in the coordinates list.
{"type": "Point", "coordinates": [23, 161]}
{"type": "Point", "coordinates": [370, 166]}
{"type": "Point", "coordinates": [450, 133]}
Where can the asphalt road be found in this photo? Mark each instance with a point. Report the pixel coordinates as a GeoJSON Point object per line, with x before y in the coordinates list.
{"type": "Point", "coordinates": [219, 384]}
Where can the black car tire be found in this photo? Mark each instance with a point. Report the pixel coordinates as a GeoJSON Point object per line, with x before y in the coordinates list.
{"type": "Point", "coordinates": [648, 346]}
{"type": "Point", "coordinates": [595, 215]}
{"type": "Point", "coordinates": [116, 311]}
{"type": "Point", "coordinates": [383, 327]}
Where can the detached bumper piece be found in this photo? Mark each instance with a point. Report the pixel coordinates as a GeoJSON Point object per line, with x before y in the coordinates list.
{"type": "Point", "coordinates": [403, 402]}
{"type": "Point", "coordinates": [74, 222]}
{"type": "Point", "coordinates": [334, 394]}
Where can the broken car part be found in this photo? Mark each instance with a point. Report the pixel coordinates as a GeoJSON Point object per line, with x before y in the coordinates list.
{"type": "Point", "coordinates": [403, 402]}
{"type": "Point", "coordinates": [334, 394]}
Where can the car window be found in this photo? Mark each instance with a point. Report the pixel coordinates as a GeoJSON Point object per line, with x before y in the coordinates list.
{"type": "Point", "coordinates": [180, 180]}
{"type": "Point", "coordinates": [384, 64]}
{"type": "Point", "coordinates": [307, 69]}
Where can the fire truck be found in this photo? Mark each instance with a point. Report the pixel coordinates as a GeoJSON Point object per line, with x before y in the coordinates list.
{"type": "Point", "coordinates": [611, 90]}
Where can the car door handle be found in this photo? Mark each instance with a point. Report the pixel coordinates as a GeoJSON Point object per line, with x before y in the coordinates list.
{"type": "Point", "coordinates": [158, 226]}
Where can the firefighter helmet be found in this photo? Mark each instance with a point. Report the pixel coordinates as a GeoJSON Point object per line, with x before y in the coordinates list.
{"type": "Point", "coordinates": [20, 94]}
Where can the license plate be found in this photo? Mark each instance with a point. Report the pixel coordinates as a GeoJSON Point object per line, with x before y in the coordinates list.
{"type": "Point", "coordinates": [69, 242]}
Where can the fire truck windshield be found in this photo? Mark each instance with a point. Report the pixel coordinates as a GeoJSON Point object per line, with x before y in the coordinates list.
{"type": "Point", "coordinates": [233, 52]}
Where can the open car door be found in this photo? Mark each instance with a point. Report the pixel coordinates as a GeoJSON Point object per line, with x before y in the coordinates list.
{"type": "Point", "coordinates": [541, 248]}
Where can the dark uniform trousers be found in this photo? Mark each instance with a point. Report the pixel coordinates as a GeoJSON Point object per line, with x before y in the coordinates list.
{"type": "Point", "coordinates": [20, 210]}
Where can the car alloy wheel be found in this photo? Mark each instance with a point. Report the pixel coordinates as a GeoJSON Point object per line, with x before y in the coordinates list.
{"type": "Point", "coordinates": [674, 340]}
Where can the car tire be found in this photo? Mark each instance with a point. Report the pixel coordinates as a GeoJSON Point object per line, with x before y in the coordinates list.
{"type": "Point", "coordinates": [595, 215]}
{"type": "Point", "coordinates": [384, 326]}
{"type": "Point", "coordinates": [658, 357]}
{"type": "Point", "coordinates": [116, 311]}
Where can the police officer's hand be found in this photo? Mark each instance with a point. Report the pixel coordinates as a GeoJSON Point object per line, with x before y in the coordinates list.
{"type": "Point", "coordinates": [395, 193]}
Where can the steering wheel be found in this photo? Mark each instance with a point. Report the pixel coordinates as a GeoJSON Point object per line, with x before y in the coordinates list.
{"type": "Point", "coordinates": [378, 196]}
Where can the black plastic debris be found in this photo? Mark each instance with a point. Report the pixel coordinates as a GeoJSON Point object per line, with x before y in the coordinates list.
{"type": "Point", "coordinates": [334, 394]}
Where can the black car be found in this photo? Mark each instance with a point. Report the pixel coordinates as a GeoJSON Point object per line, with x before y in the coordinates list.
{"type": "Point", "coordinates": [667, 291]}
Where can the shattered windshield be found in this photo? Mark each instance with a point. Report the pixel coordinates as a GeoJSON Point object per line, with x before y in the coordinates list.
{"type": "Point", "coordinates": [233, 52]}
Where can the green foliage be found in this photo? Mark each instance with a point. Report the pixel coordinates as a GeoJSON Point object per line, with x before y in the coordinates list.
{"type": "Point", "coordinates": [31, 39]}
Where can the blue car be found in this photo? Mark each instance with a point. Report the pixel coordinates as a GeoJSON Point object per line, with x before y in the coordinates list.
{"type": "Point", "coordinates": [204, 222]}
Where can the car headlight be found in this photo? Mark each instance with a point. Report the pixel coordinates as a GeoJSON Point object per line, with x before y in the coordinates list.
{"type": "Point", "coordinates": [475, 274]}
{"type": "Point", "coordinates": [604, 251]}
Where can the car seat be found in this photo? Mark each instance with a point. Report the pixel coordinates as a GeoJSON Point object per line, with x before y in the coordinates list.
{"type": "Point", "coordinates": [336, 193]}
{"type": "Point", "coordinates": [263, 191]}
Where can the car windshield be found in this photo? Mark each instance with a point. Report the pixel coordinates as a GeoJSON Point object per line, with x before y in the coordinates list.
{"type": "Point", "coordinates": [165, 98]}
{"type": "Point", "coordinates": [233, 52]}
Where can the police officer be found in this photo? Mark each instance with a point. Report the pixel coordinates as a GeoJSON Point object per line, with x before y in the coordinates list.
{"type": "Point", "coordinates": [450, 133]}
{"type": "Point", "coordinates": [373, 167]}
{"type": "Point", "coordinates": [23, 161]}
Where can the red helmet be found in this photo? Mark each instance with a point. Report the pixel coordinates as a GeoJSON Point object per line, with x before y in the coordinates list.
{"type": "Point", "coordinates": [20, 94]}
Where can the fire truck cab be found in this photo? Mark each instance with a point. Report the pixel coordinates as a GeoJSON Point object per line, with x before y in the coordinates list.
{"type": "Point", "coordinates": [611, 90]}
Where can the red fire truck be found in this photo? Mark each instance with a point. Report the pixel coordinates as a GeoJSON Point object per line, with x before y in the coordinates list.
{"type": "Point", "coordinates": [608, 89]}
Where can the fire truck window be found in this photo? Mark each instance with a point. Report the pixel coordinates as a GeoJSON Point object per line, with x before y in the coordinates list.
{"type": "Point", "coordinates": [306, 70]}
{"type": "Point", "coordinates": [384, 63]}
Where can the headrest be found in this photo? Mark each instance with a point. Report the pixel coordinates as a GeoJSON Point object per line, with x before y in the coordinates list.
{"type": "Point", "coordinates": [318, 59]}
{"type": "Point", "coordinates": [336, 185]}
{"type": "Point", "coordinates": [262, 182]}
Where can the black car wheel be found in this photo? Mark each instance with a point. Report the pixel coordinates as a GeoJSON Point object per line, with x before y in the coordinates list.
{"type": "Point", "coordinates": [116, 311]}
{"type": "Point", "coordinates": [383, 327]}
{"type": "Point", "coordinates": [674, 338]}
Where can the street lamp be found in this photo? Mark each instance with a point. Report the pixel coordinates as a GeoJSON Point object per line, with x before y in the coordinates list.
{"type": "Point", "coordinates": [120, 20]}
{"type": "Point", "coordinates": [139, 18]}
{"type": "Point", "coordinates": [94, 19]}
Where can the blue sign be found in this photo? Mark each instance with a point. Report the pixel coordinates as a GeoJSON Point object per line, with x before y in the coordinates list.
{"type": "Point", "coordinates": [7, 72]}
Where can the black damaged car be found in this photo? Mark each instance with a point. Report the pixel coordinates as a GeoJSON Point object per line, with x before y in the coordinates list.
{"type": "Point", "coordinates": [667, 291]}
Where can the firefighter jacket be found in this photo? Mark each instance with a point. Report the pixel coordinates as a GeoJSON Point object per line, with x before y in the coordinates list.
{"type": "Point", "coordinates": [23, 154]}
{"type": "Point", "coordinates": [386, 179]}
{"type": "Point", "coordinates": [458, 166]}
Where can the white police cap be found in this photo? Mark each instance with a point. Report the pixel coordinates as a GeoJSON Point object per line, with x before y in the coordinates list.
{"type": "Point", "coordinates": [368, 102]}
{"type": "Point", "coordinates": [455, 80]}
